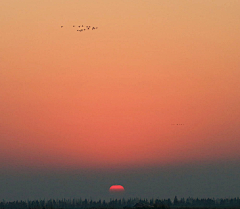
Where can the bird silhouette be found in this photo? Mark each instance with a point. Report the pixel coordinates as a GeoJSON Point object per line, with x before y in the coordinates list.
{"type": "Point", "coordinates": [84, 29]}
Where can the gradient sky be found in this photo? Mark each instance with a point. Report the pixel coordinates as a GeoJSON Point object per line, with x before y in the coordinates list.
{"type": "Point", "coordinates": [82, 111]}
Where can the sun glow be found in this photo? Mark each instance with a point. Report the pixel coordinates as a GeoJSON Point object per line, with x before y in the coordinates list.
{"type": "Point", "coordinates": [116, 189]}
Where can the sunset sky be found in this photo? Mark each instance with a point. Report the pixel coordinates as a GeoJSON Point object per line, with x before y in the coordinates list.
{"type": "Point", "coordinates": [81, 111]}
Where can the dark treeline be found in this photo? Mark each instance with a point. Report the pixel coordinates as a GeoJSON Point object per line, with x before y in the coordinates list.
{"type": "Point", "coordinates": [123, 203]}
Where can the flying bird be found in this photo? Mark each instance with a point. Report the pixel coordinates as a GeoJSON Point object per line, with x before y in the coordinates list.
{"type": "Point", "coordinates": [84, 28]}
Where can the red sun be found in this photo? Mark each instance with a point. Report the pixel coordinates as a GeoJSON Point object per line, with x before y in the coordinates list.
{"type": "Point", "coordinates": [116, 189]}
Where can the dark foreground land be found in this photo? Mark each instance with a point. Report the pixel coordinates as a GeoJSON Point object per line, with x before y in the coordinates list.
{"type": "Point", "coordinates": [132, 203]}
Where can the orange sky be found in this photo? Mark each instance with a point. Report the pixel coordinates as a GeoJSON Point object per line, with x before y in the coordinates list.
{"type": "Point", "coordinates": [108, 97]}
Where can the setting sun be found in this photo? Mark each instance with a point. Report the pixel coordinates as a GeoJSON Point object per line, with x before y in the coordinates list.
{"type": "Point", "coordinates": [116, 189]}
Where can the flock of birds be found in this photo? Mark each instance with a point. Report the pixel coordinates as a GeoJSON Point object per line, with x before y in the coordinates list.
{"type": "Point", "coordinates": [82, 28]}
